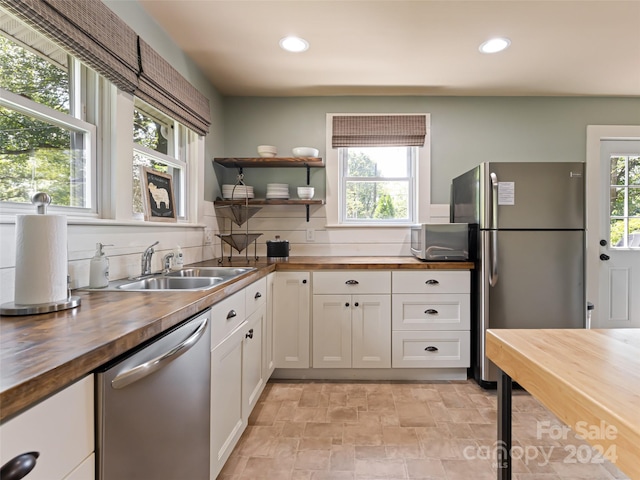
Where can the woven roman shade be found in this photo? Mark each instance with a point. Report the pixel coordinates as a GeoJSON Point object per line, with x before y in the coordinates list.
{"type": "Point", "coordinates": [163, 87]}
{"type": "Point", "coordinates": [89, 31]}
{"type": "Point", "coordinates": [378, 130]}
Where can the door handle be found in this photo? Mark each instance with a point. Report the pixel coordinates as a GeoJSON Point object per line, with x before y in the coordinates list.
{"type": "Point", "coordinates": [604, 257]}
{"type": "Point", "coordinates": [145, 369]}
{"type": "Point", "coordinates": [493, 272]}
{"type": "Point", "coordinates": [249, 334]}
{"type": "Point", "coordinates": [257, 295]}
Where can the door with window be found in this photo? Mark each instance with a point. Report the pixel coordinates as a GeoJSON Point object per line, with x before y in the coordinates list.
{"type": "Point", "coordinates": [613, 268]}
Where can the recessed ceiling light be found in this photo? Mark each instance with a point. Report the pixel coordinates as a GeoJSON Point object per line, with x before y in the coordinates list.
{"type": "Point", "coordinates": [495, 45]}
{"type": "Point", "coordinates": [294, 44]}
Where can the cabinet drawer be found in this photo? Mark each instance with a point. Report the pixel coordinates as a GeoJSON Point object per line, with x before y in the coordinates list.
{"type": "Point", "coordinates": [256, 295]}
{"type": "Point", "coordinates": [60, 428]}
{"type": "Point", "coordinates": [419, 349]}
{"type": "Point", "coordinates": [446, 311]}
{"type": "Point", "coordinates": [431, 281]}
{"type": "Point", "coordinates": [348, 282]}
{"type": "Point", "coordinates": [226, 316]}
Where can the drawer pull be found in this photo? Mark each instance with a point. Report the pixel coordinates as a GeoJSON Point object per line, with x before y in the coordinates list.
{"type": "Point", "coordinates": [249, 334]}
{"type": "Point", "coordinates": [431, 348]}
{"type": "Point", "coordinates": [19, 467]}
{"type": "Point", "coordinates": [352, 282]}
{"type": "Point", "coordinates": [231, 314]}
{"type": "Point", "coordinates": [432, 282]}
{"type": "Point", "coordinates": [346, 304]}
{"type": "Point", "coordinates": [257, 295]}
{"type": "Point", "coordinates": [431, 311]}
{"type": "Point", "coordinates": [304, 281]}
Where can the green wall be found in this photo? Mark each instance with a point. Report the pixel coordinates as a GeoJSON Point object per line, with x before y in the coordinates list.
{"type": "Point", "coordinates": [464, 130]}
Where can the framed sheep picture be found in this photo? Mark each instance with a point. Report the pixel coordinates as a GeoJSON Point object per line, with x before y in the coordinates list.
{"type": "Point", "coordinates": [157, 196]}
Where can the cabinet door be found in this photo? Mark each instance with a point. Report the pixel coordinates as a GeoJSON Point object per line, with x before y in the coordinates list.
{"type": "Point", "coordinates": [252, 380]}
{"type": "Point", "coordinates": [371, 331]}
{"type": "Point", "coordinates": [226, 398]}
{"type": "Point", "coordinates": [267, 333]}
{"type": "Point", "coordinates": [332, 331]}
{"type": "Point", "coordinates": [291, 313]}
{"type": "Point", "coordinates": [60, 428]}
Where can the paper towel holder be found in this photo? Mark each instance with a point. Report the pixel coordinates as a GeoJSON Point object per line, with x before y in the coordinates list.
{"type": "Point", "coordinates": [41, 200]}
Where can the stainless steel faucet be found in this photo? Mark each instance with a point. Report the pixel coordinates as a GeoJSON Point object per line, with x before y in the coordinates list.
{"type": "Point", "coordinates": [146, 259]}
{"type": "Point", "coordinates": [166, 261]}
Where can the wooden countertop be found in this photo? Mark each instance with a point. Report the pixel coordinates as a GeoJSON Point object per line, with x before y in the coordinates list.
{"type": "Point", "coordinates": [585, 377]}
{"type": "Point", "coordinates": [40, 354]}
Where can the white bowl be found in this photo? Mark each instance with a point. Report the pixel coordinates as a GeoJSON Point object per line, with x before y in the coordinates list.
{"type": "Point", "coordinates": [305, 152]}
{"type": "Point", "coordinates": [305, 193]}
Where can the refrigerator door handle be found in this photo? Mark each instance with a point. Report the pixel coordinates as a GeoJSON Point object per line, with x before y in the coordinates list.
{"type": "Point", "coordinates": [493, 273]}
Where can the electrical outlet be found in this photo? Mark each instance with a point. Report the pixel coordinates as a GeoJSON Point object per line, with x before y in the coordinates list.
{"type": "Point", "coordinates": [311, 235]}
{"type": "Point", "coordinates": [208, 236]}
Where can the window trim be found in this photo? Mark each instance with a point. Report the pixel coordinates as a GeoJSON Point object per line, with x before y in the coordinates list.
{"type": "Point", "coordinates": [422, 179]}
{"type": "Point", "coordinates": [46, 114]}
{"type": "Point", "coordinates": [412, 160]}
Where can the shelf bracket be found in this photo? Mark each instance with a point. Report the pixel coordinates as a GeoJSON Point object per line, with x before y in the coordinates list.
{"type": "Point", "coordinates": [307, 205]}
{"type": "Point", "coordinates": [308, 176]}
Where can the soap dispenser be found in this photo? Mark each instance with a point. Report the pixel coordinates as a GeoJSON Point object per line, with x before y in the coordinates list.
{"type": "Point", "coordinates": [99, 269]}
{"type": "Point", "coordinates": [179, 258]}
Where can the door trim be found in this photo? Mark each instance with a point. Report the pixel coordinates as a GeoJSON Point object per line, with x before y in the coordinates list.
{"type": "Point", "coordinates": [595, 134]}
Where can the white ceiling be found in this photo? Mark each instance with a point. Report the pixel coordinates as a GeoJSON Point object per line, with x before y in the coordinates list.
{"type": "Point", "coordinates": [419, 47]}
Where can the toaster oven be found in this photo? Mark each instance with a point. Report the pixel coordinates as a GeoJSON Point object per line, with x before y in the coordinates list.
{"type": "Point", "coordinates": [440, 241]}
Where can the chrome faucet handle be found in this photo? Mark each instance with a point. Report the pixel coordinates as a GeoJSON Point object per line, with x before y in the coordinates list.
{"type": "Point", "coordinates": [145, 265]}
{"type": "Point", "coordinates": [166, 261]}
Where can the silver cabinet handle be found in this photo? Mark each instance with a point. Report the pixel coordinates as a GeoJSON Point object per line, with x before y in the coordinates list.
{"type": "Point", "coordinates": [352, 282]}
{"type": "Point", "coordinates": [257, 295]}
{"type": "Point", "coordinates": [432, 282]}
{"type": "Point", "coordinates": [431, 348]}
{"type": "Point", "coordinates": [155, 364]}
{"type": "Point", "coordinates": [431, 311]}
{"type": "Point", "coordinates": [231, 314]}
{"type": "Point", "coordinates": [249, 334]}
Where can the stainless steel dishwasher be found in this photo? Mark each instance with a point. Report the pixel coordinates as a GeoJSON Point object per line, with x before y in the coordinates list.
{"type": "Point", "coordinates": [153, 408]}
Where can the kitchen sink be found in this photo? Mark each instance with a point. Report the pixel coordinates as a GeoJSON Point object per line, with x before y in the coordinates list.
{"type": "Point", "coordinates": [173, 283]}
{"type": "Point", "coordinates": [220, 272]}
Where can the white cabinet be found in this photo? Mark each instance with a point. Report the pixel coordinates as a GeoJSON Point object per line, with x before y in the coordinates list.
{"type": "Point", "coordinates": [291, 315]}
{"type": "Point", "coordinates": [267, 335]}
{"type": "Point", "coordinates": [226, 416]}
{"type": "Point", "coordinates": [352, 319]}
{"type": "Point", "coordinates": [60, 429]}
{"type": "Point", "coordinates": [431, 319]}
{"type": "Point", "coordinates": [252, 372]}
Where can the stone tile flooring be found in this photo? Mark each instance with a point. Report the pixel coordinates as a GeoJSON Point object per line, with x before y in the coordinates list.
{"type": "Point", "coordinates": [389, 430]}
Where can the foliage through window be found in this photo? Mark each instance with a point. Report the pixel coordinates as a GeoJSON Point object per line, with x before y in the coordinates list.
{"type": "Point", "coordinates": [624, 201]}
{"type": "Point", "coordinates": [377, 184]}
{"type": "Point", "coordinates": [45, 145]}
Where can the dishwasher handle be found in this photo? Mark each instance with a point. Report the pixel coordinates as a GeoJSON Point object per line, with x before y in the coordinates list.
{"type": "Point", "coordinates": [139, 372]}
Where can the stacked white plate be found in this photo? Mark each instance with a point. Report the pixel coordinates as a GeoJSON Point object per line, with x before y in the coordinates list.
{"type": "Point", "coordinates": [278, 190]}
{"type": "Point", "coordinates": [240, 193]}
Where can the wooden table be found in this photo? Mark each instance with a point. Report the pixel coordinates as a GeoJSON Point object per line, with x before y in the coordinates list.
{"type": "Point", "coordinates": [590, 379]}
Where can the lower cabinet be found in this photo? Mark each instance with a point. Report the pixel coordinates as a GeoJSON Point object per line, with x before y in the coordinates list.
{"type": "Point", "coordinates": [352, 331]}
{"type": "Point", "coordinates": [291, 319]}
{"type": "Point", "coordinates": [60, 429]}
{"type": "Point", "coordinates": [252, 379]}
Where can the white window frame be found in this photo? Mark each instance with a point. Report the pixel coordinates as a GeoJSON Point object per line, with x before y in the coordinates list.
{"type": "Point", "coordinates": [412, 160]}
{"type": "Point", "coordinates": [422, 177]}
{"type": "Point", "coordinates": [45, 114]}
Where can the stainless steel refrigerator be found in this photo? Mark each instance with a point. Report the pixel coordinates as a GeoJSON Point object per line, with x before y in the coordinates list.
{"type": "Point", "coordinates": [527, 225]}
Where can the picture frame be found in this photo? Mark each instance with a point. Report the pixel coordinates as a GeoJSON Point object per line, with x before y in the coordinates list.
{"type": "Point", "coordinates": [158, 196]}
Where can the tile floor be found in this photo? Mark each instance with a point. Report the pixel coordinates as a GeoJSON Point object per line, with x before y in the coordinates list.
{"type": "Point", "coordinates": [389, 430]}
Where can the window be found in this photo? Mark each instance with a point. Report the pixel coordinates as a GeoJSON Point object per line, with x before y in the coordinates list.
{"type": "Point", "coordinates": [46, 142]}
{"type": "Point", "coordinates": [159, 143]}
{"type": "Point", "coordinates": [375, 163]}
{"type": "Point", "coordinates": [377, 184]}
{"type": "Point", "coordinates": [624, 201]}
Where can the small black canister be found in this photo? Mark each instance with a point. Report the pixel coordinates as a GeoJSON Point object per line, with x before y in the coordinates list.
{"type": "Point", "coordinates": [278, 249]}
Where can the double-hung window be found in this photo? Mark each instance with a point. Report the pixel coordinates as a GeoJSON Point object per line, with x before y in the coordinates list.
{"type": "Point", "coordinates": [159, 143]}
{"type": "Point", "coordinates": [47, 126]}
{"type": "Point", "coordinates": [377, 174]}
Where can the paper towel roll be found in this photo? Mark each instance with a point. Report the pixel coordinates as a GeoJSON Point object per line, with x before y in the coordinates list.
{"type": "Point", "coordinates": [41, 259]}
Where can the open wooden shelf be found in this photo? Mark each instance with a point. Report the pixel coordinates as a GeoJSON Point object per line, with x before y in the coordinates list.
{"type": "Point", "coordinates": [266, 162]}
{"type": "Point", "coordinates": [268, 201]}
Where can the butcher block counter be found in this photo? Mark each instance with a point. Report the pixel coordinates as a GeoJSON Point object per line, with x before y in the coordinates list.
{"type": "Point", "coordinates": [589, 378]}
{"type": "Point", "coordinates": [40, 354]}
